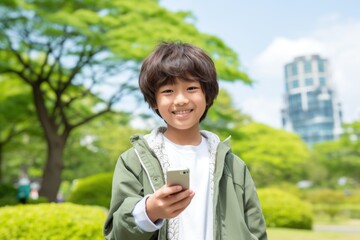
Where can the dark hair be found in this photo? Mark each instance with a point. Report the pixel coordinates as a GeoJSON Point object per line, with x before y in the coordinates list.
{"type": "Point", "coordinates": [171, 60]}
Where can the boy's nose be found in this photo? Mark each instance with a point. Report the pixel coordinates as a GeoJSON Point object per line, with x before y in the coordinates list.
{"type": "Point", "coordinates": [181, 99]}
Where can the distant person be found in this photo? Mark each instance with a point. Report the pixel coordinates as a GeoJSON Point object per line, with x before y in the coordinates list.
{"type": "Point", "coordinates": [34, 193]}
{"type": "Point", "coordinates": [179, 82]}
{"type": "Point", "coordinates": [23, 190]}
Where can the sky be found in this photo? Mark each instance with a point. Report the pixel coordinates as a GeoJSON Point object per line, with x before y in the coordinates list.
{"type": "Point", "coordinates": [268, 34]}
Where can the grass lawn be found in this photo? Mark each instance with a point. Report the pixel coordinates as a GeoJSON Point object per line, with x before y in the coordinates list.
{"type": "Point", "coordinates": [291, 234]}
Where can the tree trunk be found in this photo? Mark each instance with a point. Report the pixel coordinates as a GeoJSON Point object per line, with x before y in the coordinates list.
{"type": "Point", "coordinates": [51, 179]}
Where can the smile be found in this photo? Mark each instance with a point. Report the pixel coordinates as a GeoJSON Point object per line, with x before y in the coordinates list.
{"type": "Point", "coordinates": [182, 112]}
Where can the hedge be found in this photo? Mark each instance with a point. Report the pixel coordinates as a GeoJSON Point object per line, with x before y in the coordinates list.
{"type": "Point", "coordinates": [7, 195]}
{"type": "Point", "coordinates": [282, 209]}
{"type": "Point", "coordinates": [93, 190]}
{"type": "Point", "coordinates": [351, 210]}
{"type": "Point", "coordinates": [52, 221]}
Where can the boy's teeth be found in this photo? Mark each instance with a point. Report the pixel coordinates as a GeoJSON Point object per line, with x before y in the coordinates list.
{"type": "Point", "coordinates": [182, 112]}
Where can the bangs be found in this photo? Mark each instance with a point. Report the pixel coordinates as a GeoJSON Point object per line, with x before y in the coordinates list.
{"type": "Point", "coordinates": [181, 67]}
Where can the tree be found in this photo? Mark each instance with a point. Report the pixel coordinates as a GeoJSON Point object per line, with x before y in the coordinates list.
{"type": "Point", "coordinates": [273, 155]}
{"type": "Point", "coordinates": [67, 51]}
{"type": "Point", "coordinates": [95, 147]}
{"type": "Point", "coordinates": [223, 118]}
{"type": "Point", "coordinates": [16, 114]}
{"type": "Point", "coordinates": [341, 158]}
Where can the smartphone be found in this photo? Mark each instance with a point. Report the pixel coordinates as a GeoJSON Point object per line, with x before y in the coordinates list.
{"type": "Point", "coordinates": [178, 177]}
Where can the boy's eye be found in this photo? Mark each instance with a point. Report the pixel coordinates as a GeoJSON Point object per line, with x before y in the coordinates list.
{"type": "Point", "coordinates": [192, 88]}
{"type": "Point", "coordinates": [166, 91]}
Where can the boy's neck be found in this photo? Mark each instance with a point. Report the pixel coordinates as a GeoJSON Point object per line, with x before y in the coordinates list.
{"type": "Point", "coordinates": [183, 137]}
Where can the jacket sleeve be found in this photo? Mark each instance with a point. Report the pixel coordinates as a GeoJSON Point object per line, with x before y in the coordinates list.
{"type": "Point", "coordinates": [252, 209]}
{"type": "Point", "coordinates": [127, 191]}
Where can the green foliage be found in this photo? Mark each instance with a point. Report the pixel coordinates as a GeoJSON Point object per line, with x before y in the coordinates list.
{"type": "Point", "coordinates": [273, 155]}
{"type": "Point", "coordinates": [8, 200]}
{"type": "Point", "coordinates": [352, 196]}
{"type": "Point", "coordinates": [289, 188]}
{"type": "Point", "coordinates": [38, 201]}
{"type": "Point", "coordinates": [25, 150]}
{"type": "Point", "coordinates": [7, 190]}
{"type": "Point", "coordinates": [7, 195]}
{"type": "Point", "coordinates": [334, 203]}
{"type": "Point", "coordinates": [64, 221]}
{"type": "Point", "coordinates": [325, 196]}
{"type": "Point", "coordinates": [17, 120]}
{"type": "Point", "coordinates": [326, 201]}
{"type": "Point", "coordinates": [282, 209]}
{"type": "Point", "coordinates": [93, 190]}
{"type": "Point", "coordinates": [223, 118]}
{"type": "Point", "coordinates": [95, 147]}
{"type": "Point", "coordinates": [16, 110]}
{"type": "Point", "coordinates": [351, 210]}
{"type": "Point", "coordinates": [332, 210]}
{"type": "Point", "coordinates": [341, 157]}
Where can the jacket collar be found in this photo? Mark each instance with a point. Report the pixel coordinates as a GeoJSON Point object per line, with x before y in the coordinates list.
{"type": "Point", "coordinates": [156, 138]}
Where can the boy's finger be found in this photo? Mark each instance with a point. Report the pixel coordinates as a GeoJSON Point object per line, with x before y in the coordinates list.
{"type": "Point", "coordinates": [178, 197]}
{"type": "Point", "coordinates": [167, 191]}
{"type": "Point", "coordinates": [180, 206]}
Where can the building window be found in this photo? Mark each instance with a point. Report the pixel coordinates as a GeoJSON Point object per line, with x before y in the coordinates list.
{"type": "Point", "coordinates": [295, 102]}
{"type": "Point", "coordinates": [294, 69]}
{"type": "Point", "coordinates": [321, 65]}
{"type": "Point", "coordinates": [307, 66]}
{"type": "Point", "coordinates": [295, 84]}
{"type": "Point", "coordinates": [322, 81]}
{"type": "Point", "coordinates": [309, 82]}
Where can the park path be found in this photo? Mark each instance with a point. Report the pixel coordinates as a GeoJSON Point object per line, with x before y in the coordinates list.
{"type": "Point", "coordinates": [352, 226]}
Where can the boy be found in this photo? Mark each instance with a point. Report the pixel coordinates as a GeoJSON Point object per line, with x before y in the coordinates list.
{"type": "Point", "coordinates": [179, 83]}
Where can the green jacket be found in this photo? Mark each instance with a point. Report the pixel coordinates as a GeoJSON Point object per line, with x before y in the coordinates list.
{"type": "Point", "coordinates": [237, 211]}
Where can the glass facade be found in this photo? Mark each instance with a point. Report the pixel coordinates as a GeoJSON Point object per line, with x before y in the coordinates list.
{"type": "Point", "coordinates": [309, 81]}
{"type": "Point", "coordinates": [307, 66]}
{"type": "Point", "coordinates": [310, 107]}
{"type": "Point", "coordinates": [322, 81]}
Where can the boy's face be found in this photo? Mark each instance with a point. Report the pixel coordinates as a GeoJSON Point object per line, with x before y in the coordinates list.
{"type": "Point", "coordinates": [181, 104]}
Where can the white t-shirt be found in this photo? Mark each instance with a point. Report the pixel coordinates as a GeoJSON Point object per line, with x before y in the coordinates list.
{"type": "Point", "coordinates": [196, 221]}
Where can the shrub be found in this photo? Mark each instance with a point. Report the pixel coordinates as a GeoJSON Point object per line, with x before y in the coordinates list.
{"type": "Point", "coordinates": [352, 196]}
{"type": "Point", "coordinates": [351, 210]}
{"type": "Point", "coordinates": [282, 209]}
{"type": "Point", "coordinates": [330, 210]}
{"type": "Point", "coordinates": [38, 200]}
{"type": "Point", "coordinates": [7, 195]}
{"type": "Point", "coordinates": [326, 201]}
{"type": "Point", "coordinates": [93, 190]}
{"type": "Point", "coordinates": [325, 196]}
{"type": "Point", "coordinates": [8, 201]}
{"type": "Point", "coordinates": [51, 221]}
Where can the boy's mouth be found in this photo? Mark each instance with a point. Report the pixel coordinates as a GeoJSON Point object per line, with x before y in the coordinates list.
{"type": "Point", "coordinates": [181, 112]}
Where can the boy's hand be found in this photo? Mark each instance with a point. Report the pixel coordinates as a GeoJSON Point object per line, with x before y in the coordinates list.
{"type": "Point", "coordinates": [168, 202]}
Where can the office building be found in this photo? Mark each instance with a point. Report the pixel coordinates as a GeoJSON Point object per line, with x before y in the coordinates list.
{"type": "Point", "coordinates": [310, 105]}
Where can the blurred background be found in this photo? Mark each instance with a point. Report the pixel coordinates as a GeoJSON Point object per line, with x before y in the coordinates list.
{"type": "Point", "coordinates": [69, 103]}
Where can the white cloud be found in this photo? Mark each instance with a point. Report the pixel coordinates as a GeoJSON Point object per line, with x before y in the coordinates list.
{"type": "Point", "coordinates": [271, 61]}
{"type": "Point", "coordinates": [336, 40]}
{"type": "Point", "coordinates": [260, 108]}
